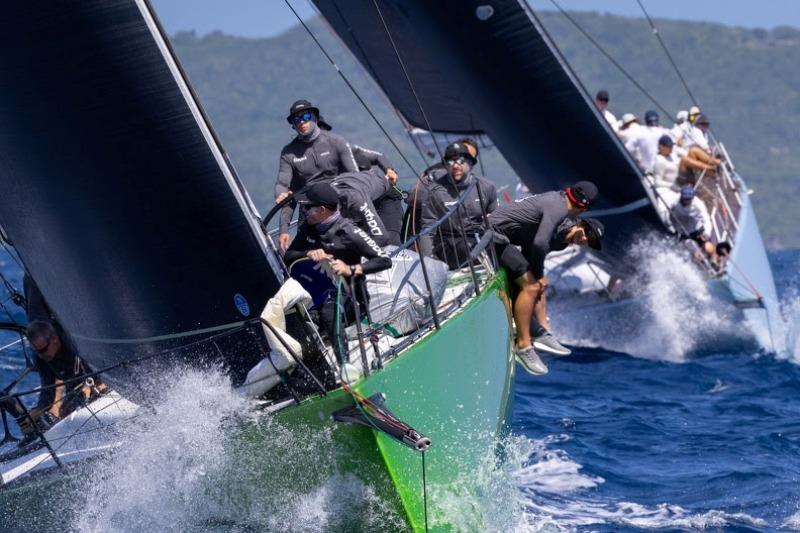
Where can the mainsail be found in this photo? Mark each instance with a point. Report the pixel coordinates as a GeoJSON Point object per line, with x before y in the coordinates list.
{"type": "Point", "coordinates": [489, 67]}
{"type": "Point", "coordinates": [114, 189]}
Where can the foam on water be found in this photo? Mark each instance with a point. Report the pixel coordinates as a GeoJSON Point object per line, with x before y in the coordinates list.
{"type": "Point", "coordinates": [203, 460]}
{"type": "Point", "coordinates": [560, 497]}
{"type": "Point", "coordinates": [673, 313]}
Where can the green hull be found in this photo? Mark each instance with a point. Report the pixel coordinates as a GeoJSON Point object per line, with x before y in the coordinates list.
{"type": "Point", "coordinates": [453, 385]}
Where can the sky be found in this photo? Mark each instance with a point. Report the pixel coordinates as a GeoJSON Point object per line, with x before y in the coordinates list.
{"type": "Point", "coordinates": [265, 18]}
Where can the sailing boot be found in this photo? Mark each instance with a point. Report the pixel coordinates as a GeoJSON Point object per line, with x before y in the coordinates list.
{"type": "Point", "coordinates": [549, 344]}
{"type": "Point", "coordinates": [529, 359]}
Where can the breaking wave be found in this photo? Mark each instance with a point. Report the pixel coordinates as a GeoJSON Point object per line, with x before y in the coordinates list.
{"type": "Point", "coordinates": [203, 460]}
{"type": "Point", "coordinates": [672, 315]}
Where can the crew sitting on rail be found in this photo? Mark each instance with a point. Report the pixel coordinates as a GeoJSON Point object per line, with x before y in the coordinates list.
{"type": "Point", "coordinates": [314, 155]}
{"type": "Point", "coordinates": [692, 221]}
{"type": "Point", "coordinates": [533, 224]}
{"type": "Point", "coordinates": [601, 101]}
{"type": "Point", "coordinates": [453, 240]}
{"type": "Point", "coordinates": [327, 237]}
{"type": "Point", "coordinates": [56, 364]}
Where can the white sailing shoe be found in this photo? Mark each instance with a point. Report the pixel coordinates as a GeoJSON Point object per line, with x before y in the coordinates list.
{"type": "Point", "coordinates": [549, 344]}
{"type": "Point", "coordinates": [529, 359]}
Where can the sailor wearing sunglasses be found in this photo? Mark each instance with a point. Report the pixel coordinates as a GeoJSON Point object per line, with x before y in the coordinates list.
{"type": "Point", "coordinates": [314, 155]}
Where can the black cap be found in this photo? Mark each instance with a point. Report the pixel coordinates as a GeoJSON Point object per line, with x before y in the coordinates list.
{"type": "Point", "coordinates": [319, 194]}
{"type": "Point", "coordinates": [665, 140]}
{"type": "Point", "coordinates": [602, 95]}
{"type": "Point", "coordinates": [651, 118]}
{"type": "Point", "coordinates": [583, 193]}
{"type": "Point", "coordinates": [457, 149]}
{"type": "Point", "coordinates": [702, 118]}
{"type": "Point", "coordinates": [594, 230]}
{"type": "Point", "coordinates": [301, 105]}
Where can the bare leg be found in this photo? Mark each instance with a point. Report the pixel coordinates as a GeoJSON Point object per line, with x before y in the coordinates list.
{"type": "Point", "coordinates": [540, 311]}
{"type": "Point", "coordinates": [529, 292]}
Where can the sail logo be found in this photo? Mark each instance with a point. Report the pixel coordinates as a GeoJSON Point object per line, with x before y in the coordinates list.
{"type": "Point", "coordinates": [241, 304]}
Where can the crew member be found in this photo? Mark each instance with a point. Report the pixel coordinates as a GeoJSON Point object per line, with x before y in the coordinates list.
{"type": "Point", "coordinates": [533, 224]}
{"type": "Point", "coordinates": [447, 243]}
{"type": "Point", "coordinates": [601, 101]}
{"type": "Point", "coordinates": [315, 154]}
{"type": "Point", "coordinates": [360, 193]}
{"type": "Point", "coordinates": [325, 236]}
{"type": "Point", "coordinates": [692, 220]}
{"type": "Point", "coordinates": [56, 364]}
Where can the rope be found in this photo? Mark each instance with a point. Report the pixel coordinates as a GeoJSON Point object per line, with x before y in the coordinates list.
{"type": "Point", "coordinates": [351, 87]}
{"type": "Point", "coordinates": [666, 51]}
{"type": "Point", "coordinates": [408, 79]}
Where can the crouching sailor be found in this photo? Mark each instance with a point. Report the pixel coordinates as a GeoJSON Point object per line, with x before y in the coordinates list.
{"type": "Point", "coordinates": [57, 364]}
{"type": "Point", "coordinates": [325, 236]}
{"type": "Point", "coordinates": [537, 225]}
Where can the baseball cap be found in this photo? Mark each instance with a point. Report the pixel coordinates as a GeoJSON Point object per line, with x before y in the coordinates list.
{"type": "Point", "coordinates": [319, 194]}
{"type": "Point", "coordinates": [583, 193]}
{"type": "Point", "coordinates": [687, 192]}
{"type": "Point", "coordinates": [651, 118]}
{"type": "Point", "coordinates": [627, 118]}
{"type": "Point", "coordinates": [666, 140]}
{"type": "Point", "coordinates": [602, 95]}
{"type": "Point", "coordinates": [457, 149]}
{"type": "Point", "coordinates": [594, 230]}
{"type": "Point", "coordinates": [694, 110]}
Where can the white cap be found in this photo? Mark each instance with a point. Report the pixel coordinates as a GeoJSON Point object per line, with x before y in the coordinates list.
{"type": "Point", "coordinates": [627, 118]}
{"type": "Point", "coordinates": [694, 110]}
{"type": "Point", "coordinates": [682, 116]}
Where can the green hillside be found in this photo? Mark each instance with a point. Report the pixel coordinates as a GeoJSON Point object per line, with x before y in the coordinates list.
{"type": "Point", "coordinates": [748, 81]}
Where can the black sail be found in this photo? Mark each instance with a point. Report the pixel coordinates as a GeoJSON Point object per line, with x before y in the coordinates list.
{"type": "Point", "coordinates": [490, 67]}
{"type": "Point", "coordinates": [114, 190]}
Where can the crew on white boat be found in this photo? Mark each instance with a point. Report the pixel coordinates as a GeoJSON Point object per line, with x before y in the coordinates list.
{"type": "Point", "coordinates": [57, 364]}
{"type": "Point", "coordinates": [314, 155]}
{"type": "Point", "coordinates": [328, 238]}
{"type": "Point", "coordinates": [692, 220]}
{"type": "Point", "coordinates": [643, 142]}
{"type": "Point", "coordinates": [533, 224]}
{"type": "Point", "coordinates": [627, 127]}
{"type": "Point", "coordinates": [601, 101]}
{"type": "Point", "coordinates": [448, 242]}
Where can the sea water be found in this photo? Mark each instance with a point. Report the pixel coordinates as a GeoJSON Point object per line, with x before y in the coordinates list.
{"type": "Point", "coordinates": [666, 434]}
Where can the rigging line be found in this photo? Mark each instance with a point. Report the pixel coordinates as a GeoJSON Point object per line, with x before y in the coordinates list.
{"type": "Point", "coordinates": [408, 78]}
{"type": "Point", "coordinates": [373, 72]}
{"type": "Point", "coordinates": [611, 58]}
{"type": "Point", "coordinates": [666, 51]}
{"type": "Point", "coordinates": [350, 86]}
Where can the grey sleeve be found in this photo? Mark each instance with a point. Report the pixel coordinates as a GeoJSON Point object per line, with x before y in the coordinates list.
{"type": "Point", "coordinates": [374, 157]}
{"type": "Point", "coordinates": [428, 215]}
{"type": "Point", "coordinates": [287, 212]}
{"type": "Point", "coordinates": [285, 172]}
{"type": "Point", "coordinates": [541, 242]}
{"type": "Point", "coordinates": [346, 159]}
{"type": "Point", "coordinates": [491, 199]}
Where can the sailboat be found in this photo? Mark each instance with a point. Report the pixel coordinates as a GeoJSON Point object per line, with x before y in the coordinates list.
{"type": "Point", "coordinates": [490, 69]}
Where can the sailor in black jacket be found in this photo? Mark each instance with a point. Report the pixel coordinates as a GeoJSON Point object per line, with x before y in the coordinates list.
{"type": "Point", "coordinates": [447, 243]}
{"type": "Point", "coordinates": [314, 155]}
{"type": "Point", "coordinates": [325, 235]}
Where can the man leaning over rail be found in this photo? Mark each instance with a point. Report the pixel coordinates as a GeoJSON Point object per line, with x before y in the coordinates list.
{"type": "Point", "coordinates": [533, 224]}
{"type": "Point", "coordinates": [326, 236]}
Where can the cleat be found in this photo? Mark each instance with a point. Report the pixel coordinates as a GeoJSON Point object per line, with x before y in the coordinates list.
{"type": "Point", "coordinates": [529, 359]}
{"type": "Point", "coordinates": [549, 344]}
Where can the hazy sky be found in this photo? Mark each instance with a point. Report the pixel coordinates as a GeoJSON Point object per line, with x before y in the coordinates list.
{"type": "Point", "coordinates": [261, 18]}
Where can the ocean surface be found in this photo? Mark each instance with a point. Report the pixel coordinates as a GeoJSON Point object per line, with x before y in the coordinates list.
{"type": "Point", "coordinates": [667, 434]}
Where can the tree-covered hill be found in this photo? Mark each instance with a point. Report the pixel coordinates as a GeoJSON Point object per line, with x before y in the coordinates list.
{"type": "Point", "coordinates": [748, 81]}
